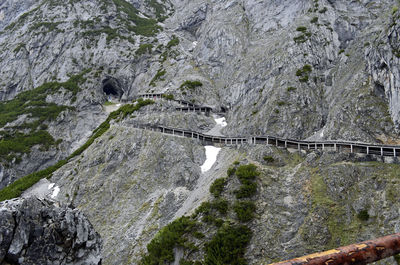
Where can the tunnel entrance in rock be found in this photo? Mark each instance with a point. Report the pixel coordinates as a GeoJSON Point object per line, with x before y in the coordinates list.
{"type": "Point", "coordinates": [112, 88]}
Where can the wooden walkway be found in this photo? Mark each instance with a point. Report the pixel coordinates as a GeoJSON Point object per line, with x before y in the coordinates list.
{"type": "Point", "coordinates": [338, 146]}
{"type": "Point", "coordinates": [186, 105]}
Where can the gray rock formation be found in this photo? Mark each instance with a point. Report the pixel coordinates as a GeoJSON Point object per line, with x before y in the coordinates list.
{"type": "Point", "coordinates": [36, 231]}
{"type": "Point", "coordinates": [320, 69]}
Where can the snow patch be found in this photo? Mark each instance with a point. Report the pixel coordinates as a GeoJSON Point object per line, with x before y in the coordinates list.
{"type": "Point", "coordinates": [55, 192]}
{"type": "Point", "coordinates": [221, 121]}
{"type": "Point", "coordinates": [211, 157]}
{"type": "Point", "coordinates": [51, 185]}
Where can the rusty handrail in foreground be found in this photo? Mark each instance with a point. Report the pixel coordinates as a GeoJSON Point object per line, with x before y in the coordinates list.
{"type": "Point", "coordinates": [360, 253]}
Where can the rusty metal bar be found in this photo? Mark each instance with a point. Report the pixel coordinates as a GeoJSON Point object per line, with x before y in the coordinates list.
{"type": "Point", "coordinates": [360, 253]}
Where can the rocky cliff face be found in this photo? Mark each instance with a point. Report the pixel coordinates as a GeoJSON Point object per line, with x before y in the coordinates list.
{"type": "Point", "coordinates": [321, 69]}
{"type": "Point", "coordinates": [36, 231]}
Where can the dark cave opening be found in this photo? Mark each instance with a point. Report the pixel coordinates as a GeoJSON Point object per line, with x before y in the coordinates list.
{"type": "Point", "coordinates": [112, 88]}
{"type": "Point", "coordinates": [379, 90]}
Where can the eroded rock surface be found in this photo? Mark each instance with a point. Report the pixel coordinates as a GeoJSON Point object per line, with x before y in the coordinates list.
{"type": "Point", "coordinates": [36, 231]}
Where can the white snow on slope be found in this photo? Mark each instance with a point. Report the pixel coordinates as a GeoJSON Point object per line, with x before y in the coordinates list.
{"type": "Point", "coordinates": [221, 121]}
{"type": "Point", "coordinates": [55, 192]}
{"type": "Point", "coordinates": [211, 157]}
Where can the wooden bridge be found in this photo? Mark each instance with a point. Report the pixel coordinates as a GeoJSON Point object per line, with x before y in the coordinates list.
{"type": "Point", "coordinates": [338, 146]}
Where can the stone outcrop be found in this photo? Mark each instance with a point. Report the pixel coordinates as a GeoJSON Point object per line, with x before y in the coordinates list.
{"type": "Point", "coordinates": [36, 231]}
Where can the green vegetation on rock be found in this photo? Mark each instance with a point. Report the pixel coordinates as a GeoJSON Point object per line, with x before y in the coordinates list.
{"type": "Point", "coordinates": [144, 49]}
{"type": "Point", "coordinates": [190, 84]}
{"type": "Point", "coordinates": [228, 245]}
{"type": "Point", "coordinates": [16, 188]}
{"type": "Point", "coordinates": [158, 77]}
{"type": "Point", "coordinates": [217, 187]}
{"type": "Point", "coordinates": [161, 248]}
{"type": "Point", "coordinates": [223, 240]}
{"type": "Point", "coordinates": [19, 139]}
{"type": "Point", "coordinates": [303, 73]}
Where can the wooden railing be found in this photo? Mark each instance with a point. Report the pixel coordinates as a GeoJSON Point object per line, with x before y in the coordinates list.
{"type": "Point", "coordinates": [338, 146]}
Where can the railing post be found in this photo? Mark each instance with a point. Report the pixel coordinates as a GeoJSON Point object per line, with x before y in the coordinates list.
{"type": "Point", "coordinates": [351, 148]}
{"type": "Point", "coordinates": [381, 151]}
{"type": "Point", "coordinates": [335, 147]}
{"type": "Point", "coordinates": [267, 140]}
{"type": "Point", "coordinates": [298, 145]}
{"type": "Point", "coordinates": [323, 146]}
{"type": "Point", "coordinates": [394, 152]}
{"type": "Point", "coordinates": [276, 142]}
{"type": "Point", "coordinates": [173, 132]}
{"type": "Point", "coordinates": [367, 150]}
{"type": "Point", "coordinates": [285, 144]}
{"type": "Point", "coordinates": [316, 146]}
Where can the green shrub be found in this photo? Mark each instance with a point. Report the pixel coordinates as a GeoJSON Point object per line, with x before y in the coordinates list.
{"type": "Point", "coordinates": [363, 215]}
{"type": "Point", "coordinates": [303, 73]}
{"type": "Point", "coordinates": [246, 190]}
{"type": "Point", "coordinates": [161, 248]}
{"type": "Point", "coordinates": [228, 246]}
{"type": "Point", "coordinates": [323, 10]}
{"type": "Point", "coordinates": [290, 89]}
{"type": "Point", "coordinates": [314, 20]}
{"type": "Point", "coordinates": [268, 159]}
{"type": "Point", "coordinates": [300, 39]}
{"type": "Point", "coordinates": [244, 210]}
{"type": "Point", "coordinates": [168, 96]}
{"type": "Point", "coordinates": [173, 42]}
{"type": "Point", "coordinates": [246, 175]}
{"type": "Point", "coordinates": [217, 187]}
{"type": "Point", "coordinates": [221, 206]}
{"type": "Point", "coordinates": [144, 48]}
{"type": "Point", "coordinates": [158, 77]}
{"type": "Point", "coordinates": [247, 172]}
{"type": "Point", "coordinates": [142, 26]}
{"type": "Point", "coordinates": [190, 84]}
{"type": "Point", "coordinates": [301, 29]}
{"type": "Point", "coordinates": [231, 171]}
